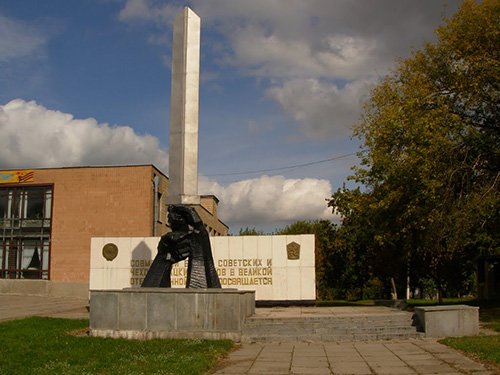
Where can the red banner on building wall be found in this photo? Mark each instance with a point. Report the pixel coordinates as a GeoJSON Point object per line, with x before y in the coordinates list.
{"type": "Point", "coordinates": [9, 177]}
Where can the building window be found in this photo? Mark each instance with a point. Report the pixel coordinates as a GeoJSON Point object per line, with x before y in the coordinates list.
{"type": "Point", "coordinates": [25, 223]}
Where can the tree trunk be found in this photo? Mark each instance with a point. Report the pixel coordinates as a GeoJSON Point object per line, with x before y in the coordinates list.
{"type": "Point", "coordinates": [439, 288]}
{"type": "Point", "coordinates": [394, 293]}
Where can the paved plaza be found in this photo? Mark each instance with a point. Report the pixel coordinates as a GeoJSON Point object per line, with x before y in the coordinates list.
{"type": "Point", "coordinates": [18, 307]}
{"type": "Point", "coordinates": [396, 357]}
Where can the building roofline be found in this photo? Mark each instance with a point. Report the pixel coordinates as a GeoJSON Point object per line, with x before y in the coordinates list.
{"type": "Point", "coordinates": [88, 167]}
{"type": "Point", "coordinates": [210, 196]}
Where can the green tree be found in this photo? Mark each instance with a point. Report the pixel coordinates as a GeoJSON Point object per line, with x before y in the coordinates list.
{"type": "Point", "coordinates": [250, 232]}
{"type": "Point", "coordinates": [370, 258]}
{"type": "Point", "coordinates": [431, 165]}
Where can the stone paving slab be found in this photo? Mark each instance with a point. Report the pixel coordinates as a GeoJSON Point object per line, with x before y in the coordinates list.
{"type": "Point", "coordinates": [392, 357]}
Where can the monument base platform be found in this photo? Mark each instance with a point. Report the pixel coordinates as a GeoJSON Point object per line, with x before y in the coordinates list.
{"type": "Point", "coordinates": [148, 313]}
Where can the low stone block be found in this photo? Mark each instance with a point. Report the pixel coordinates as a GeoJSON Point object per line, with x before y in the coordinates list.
{"type": "Point", "coordinates": [132, 311]}
{"type": "Point", "coordinates": [104, 315]}
{"type": "Point", "coordinates": [453, 320]}
{"type": "Point", "coordinates": [161, 314]}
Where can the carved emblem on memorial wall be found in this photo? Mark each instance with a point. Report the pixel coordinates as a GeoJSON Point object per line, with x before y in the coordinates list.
{"type": "Point", "coordinates": [110, 251]}
{"type": "Point", "coordinates": [293, 251]}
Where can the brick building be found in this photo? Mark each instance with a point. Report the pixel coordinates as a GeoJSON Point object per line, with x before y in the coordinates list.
{"type": "Point", "coordinates": [48, 216]}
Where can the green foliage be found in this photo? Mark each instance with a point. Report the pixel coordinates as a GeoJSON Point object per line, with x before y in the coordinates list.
{"type": "Point", "coordinates": [44, 346]}
{"type": "Point", "coordinates": [250, 232]}
{"type": "Point", "coordinates": [431, 160]}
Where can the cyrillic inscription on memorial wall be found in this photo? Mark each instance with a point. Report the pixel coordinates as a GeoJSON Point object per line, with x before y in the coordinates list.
{"type": "Point", "coordinates": [138, 270]}
{"type": "Point", "coordinates": [249, 271]}
{"type": "Point", "coordinates": [232, 272]}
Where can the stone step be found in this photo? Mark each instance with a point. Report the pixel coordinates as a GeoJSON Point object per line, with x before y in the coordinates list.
{"type": "Point", "coordinates": [262, 329]}
{"type": "Point", "coordinates": [329, 338]}
{"type": "Point", "coordinates": [330, 324]}
{"type": "Point", "coordinates": [309, 330]}
{"type": "Point", "coordinates": [329, 320]}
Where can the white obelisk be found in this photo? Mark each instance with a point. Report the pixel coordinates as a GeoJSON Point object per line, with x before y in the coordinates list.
{"type": "Point", "coordinates": [184, 104]}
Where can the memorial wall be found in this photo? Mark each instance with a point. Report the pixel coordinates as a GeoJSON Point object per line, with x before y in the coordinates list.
{"type": "Point", "coordinates": [278, 268]}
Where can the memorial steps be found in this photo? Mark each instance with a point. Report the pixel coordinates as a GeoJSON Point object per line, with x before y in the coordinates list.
{"type": "Point", "coordinates": [329, 324]}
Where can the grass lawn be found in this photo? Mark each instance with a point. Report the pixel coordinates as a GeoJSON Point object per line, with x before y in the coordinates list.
{"type": "Point", "coordinates": [484, 348]}
{"type": "Point", "coordinates": [50, 346]}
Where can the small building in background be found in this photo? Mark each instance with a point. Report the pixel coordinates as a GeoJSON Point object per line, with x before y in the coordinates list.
{"type": "Point", "coordinates": [49, 215]}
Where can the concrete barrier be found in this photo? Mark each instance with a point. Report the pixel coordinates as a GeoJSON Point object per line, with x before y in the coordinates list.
{"type": "Point", "coordinates": [148, 313]}
{"type": "Point", "coordinates": [445, 321]}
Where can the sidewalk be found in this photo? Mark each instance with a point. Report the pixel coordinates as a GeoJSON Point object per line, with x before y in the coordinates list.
{"type": "Point", "coordinates": [18, 307]}
{"type": "Point", "coordinates": [395, 357]}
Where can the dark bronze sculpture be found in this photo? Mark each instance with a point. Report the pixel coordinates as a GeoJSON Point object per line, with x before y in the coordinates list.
{"type": "Point", "coordinates": [188, 238]}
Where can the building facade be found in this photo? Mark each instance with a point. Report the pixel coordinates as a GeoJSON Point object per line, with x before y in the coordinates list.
{"type": "Point", "coordinates": [48, 216]}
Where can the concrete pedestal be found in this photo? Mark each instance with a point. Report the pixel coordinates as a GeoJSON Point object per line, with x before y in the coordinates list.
{"type": "Point", "coordinates": [445, 321]}
{"type": "Point", "coordinates": [148, 313]}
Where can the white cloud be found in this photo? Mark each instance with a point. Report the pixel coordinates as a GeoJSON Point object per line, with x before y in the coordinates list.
{"type": "Point", "coordinates": [267, 200]}
{"type": "Point", "coordinates": [321, 38]}
{"type": "Point", "coordinates": [19, 39]}
{"type": "Point", "coordinates": [323, 110]}
{"type": "Point", "coordinates": [304, 46]}
{"type": "Point", "coordinates": [34, 136]}
{"type": "Point", "coordinates": [258, 52]}
{"type": "Point", "coordinates": [145, 10]}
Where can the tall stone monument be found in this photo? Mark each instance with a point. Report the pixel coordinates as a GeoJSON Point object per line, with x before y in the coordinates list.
{"type": "Point", "coordinates": [184, 104]}
{"type": "Point", "coordinates": [205, 310]}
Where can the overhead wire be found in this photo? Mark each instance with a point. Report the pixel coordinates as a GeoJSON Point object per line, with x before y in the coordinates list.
{"type": "Point", "coordinates": [295, 166]}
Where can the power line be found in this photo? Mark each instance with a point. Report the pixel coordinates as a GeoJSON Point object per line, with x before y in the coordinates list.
{"type": "Point", "coordinates": [283, 168]}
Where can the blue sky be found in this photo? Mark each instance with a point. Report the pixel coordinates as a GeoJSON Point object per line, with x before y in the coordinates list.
{"type": "Point", "coordinates": [87, 82]}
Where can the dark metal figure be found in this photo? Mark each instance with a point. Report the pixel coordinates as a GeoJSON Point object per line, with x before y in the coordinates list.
{"type": "Point", "coordinates": [188, 238]}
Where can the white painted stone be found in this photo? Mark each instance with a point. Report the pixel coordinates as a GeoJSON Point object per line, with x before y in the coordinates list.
{"type": "Point", "coordinates": [96, 281]}
{"type": "Point", "coordinates": [242, 262]}
{"type": "Point", "coordinates": [264, 246]}
{"type": "Point", "coordinates": [235, 247]}
{"type": "Point", "coordinates": [250, 246]}
{"type": "Point", "coordinates": [279, 257]}
{"type": "Point", "coordinates": [306, 275]}
{"type": "Point", "coordinates": [96, 258]}
{"type": "Point", "coordinates": [293, 281]}
{"type": "Point", "coordinates": [307, 245]}
{"type": "Point", "coordinates": [280, 284]}
{"type": "Point", "coordinates": [221, 243]}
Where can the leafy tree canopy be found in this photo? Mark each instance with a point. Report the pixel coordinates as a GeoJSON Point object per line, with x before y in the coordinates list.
{"type": "Point", "coordinates": [431, 141]}
{"type": "Point", "coordinates": [250, 232]}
